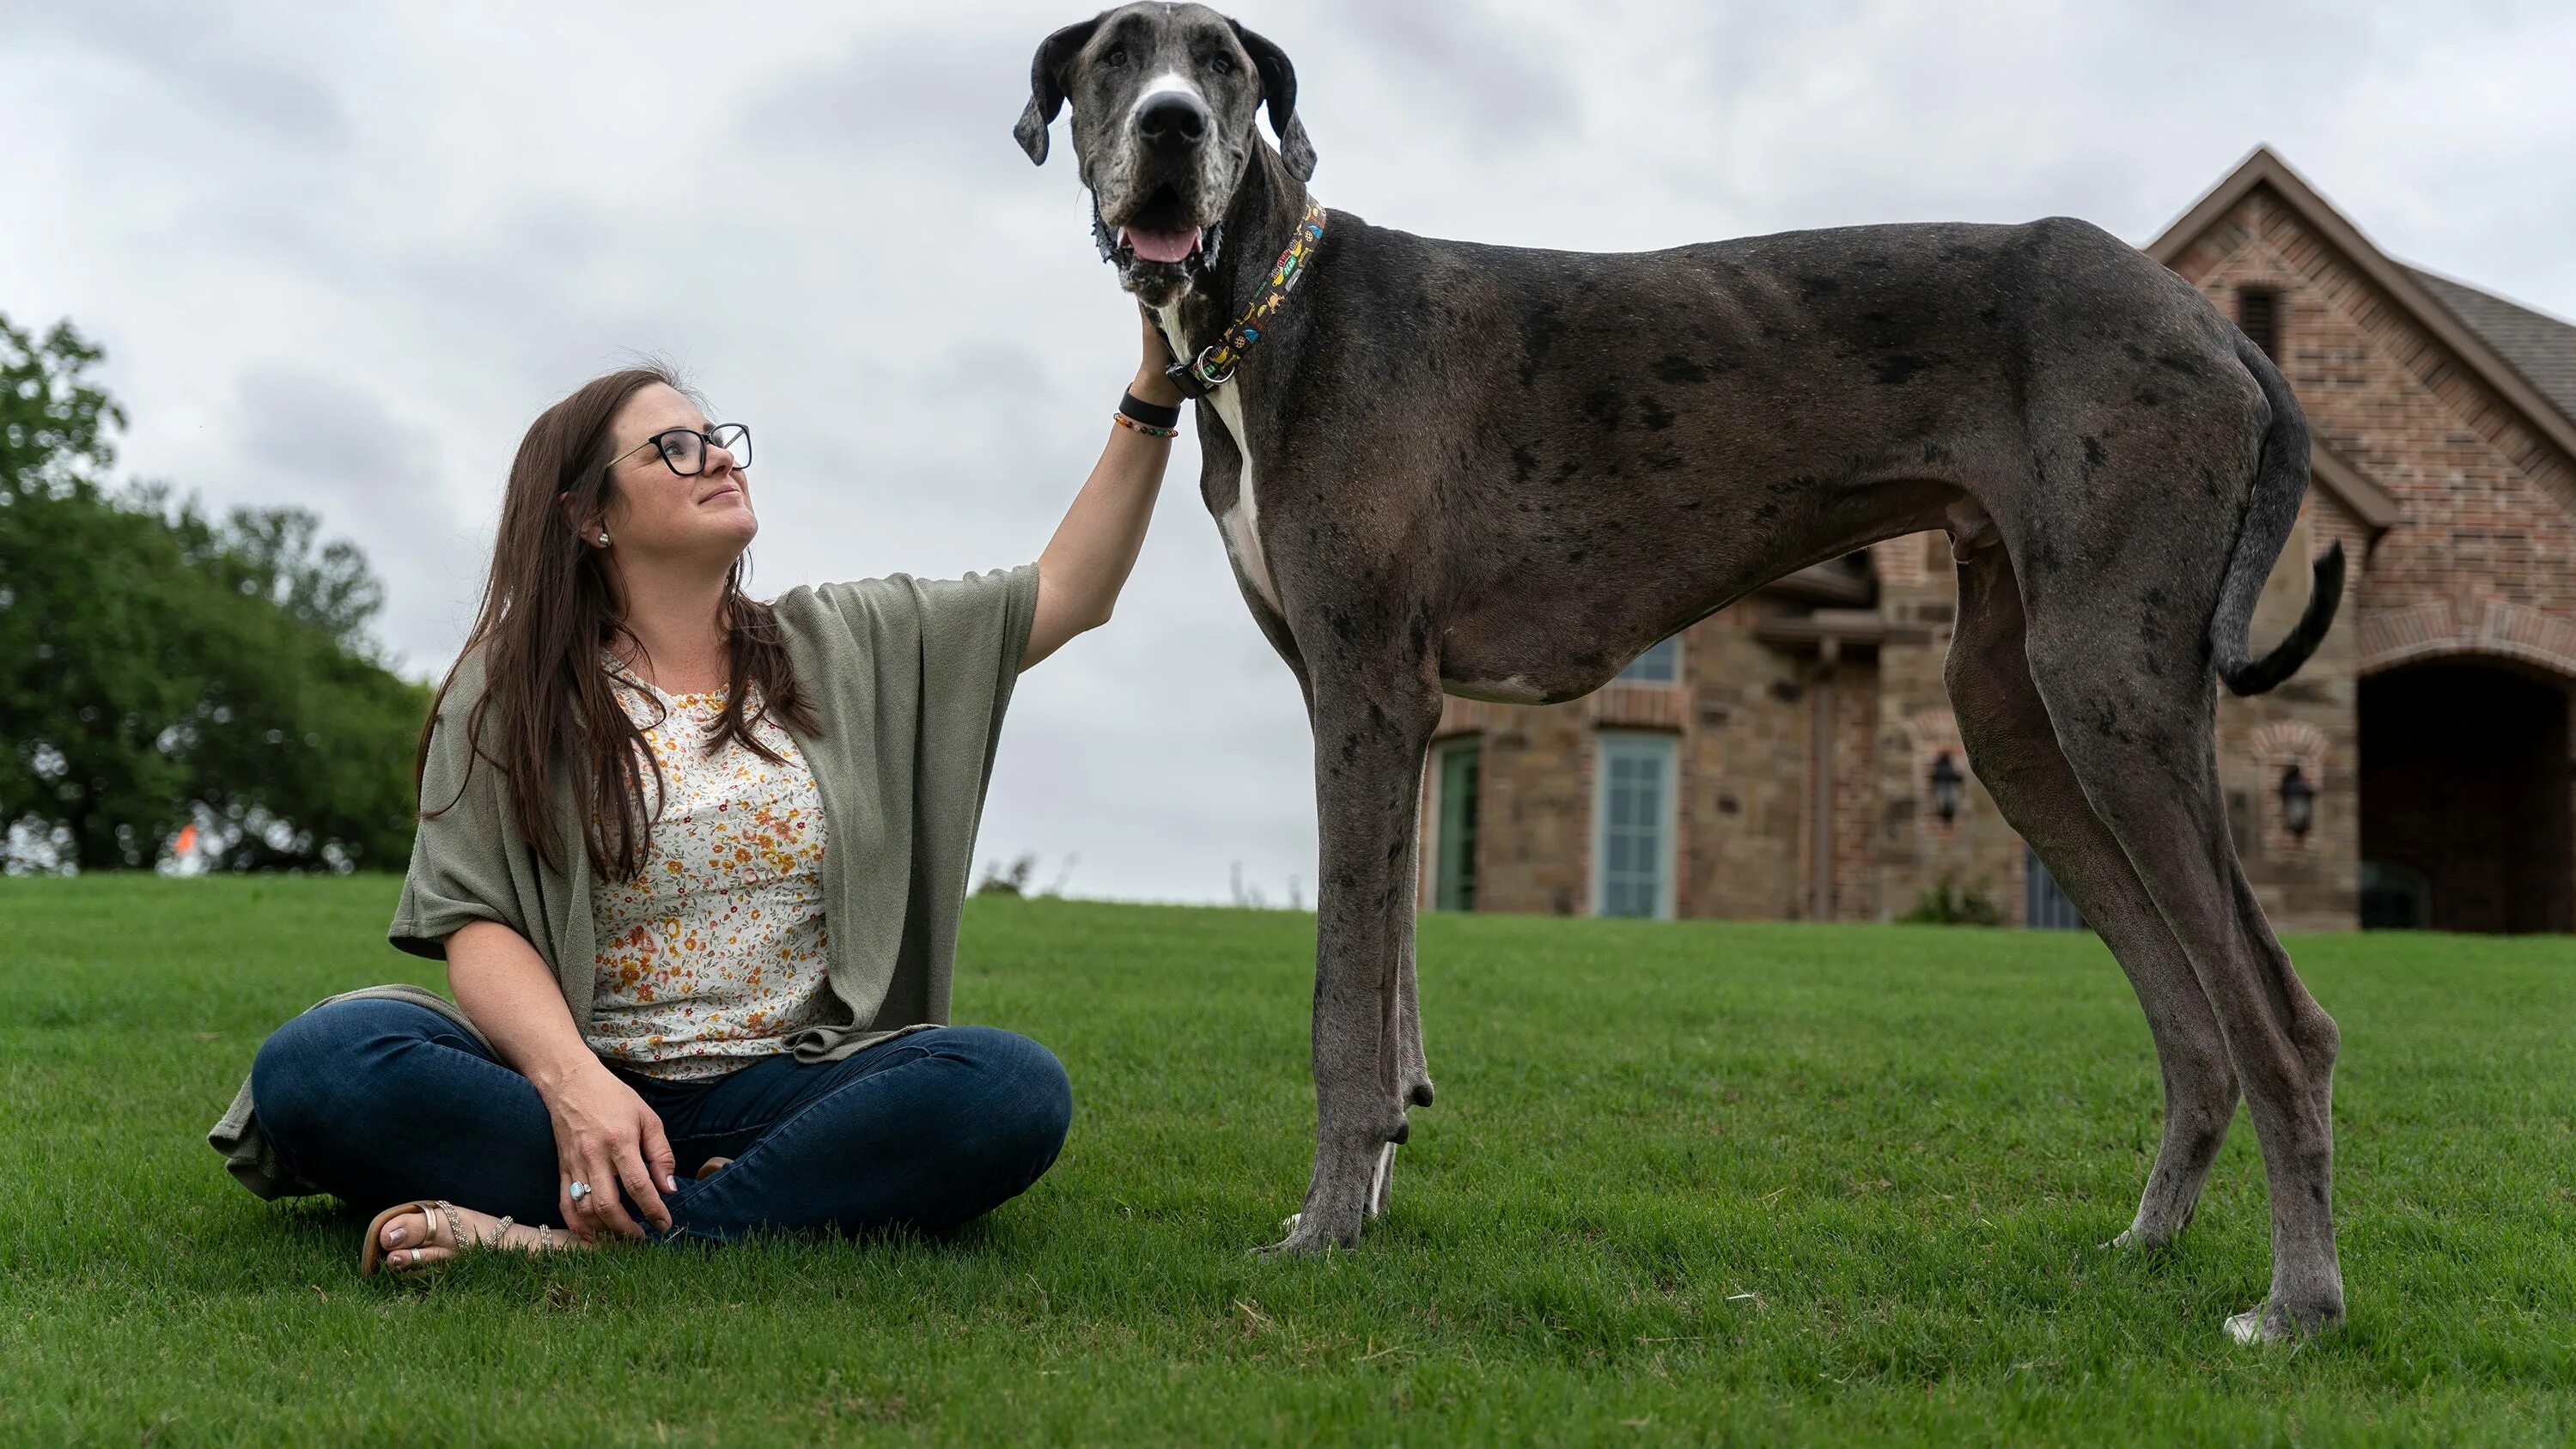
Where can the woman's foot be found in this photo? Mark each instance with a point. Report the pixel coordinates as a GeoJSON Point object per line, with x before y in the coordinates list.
{"type": "Point", "coordinates": [424, 1235]}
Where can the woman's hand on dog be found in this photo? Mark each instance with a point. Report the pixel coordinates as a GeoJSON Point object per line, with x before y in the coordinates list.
{"type": "Point", "coordinates": [1150, 384]}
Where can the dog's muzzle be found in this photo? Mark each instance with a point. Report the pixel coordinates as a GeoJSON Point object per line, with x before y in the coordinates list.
{"type": "Point", "coordinates": [1157, 264]}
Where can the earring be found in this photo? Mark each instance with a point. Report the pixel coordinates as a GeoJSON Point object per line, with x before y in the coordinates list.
{"type": "Point", "coordinates": [603, 538]}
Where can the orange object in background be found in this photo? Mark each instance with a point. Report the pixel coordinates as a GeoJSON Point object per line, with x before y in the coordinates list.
{"type": "Point", "coordinates": [187, 838]}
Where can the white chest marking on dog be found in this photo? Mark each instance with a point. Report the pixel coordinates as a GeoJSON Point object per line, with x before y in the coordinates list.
{"type": "Point", "coordinates": [1167, 320]}
{"type": "Point", "coordinates": [1240, 524]}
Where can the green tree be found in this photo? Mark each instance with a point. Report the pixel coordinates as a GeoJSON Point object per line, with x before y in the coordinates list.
{"type": "Point", "coordinates": [276, 554]}
{"type": "Point", "coordinates": [156, 667]}
{"type": "Point", "coordinates": [53, 423]}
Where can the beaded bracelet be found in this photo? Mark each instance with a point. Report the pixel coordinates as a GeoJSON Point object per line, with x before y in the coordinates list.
{"type": "Point", "coordinates": [1148, 429]}
{"type": "Point", "coordinates": [1152, 419]}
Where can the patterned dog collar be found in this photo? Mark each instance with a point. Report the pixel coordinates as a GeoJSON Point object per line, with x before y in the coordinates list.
{"type": "Point", "coordinates": [1216, 362]}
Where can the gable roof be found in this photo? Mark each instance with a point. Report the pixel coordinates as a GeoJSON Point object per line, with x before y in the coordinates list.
{"type": "Point", "coordinates": [2540, 347]}
{"type": "Point", "coordinates": [2407, 288]}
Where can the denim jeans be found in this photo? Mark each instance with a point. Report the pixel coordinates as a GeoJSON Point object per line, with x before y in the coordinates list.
{"type": "Point", "coordinates": [380, 1102]}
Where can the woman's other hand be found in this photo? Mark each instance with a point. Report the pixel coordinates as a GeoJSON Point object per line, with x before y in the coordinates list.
{"type": "Point", "coordinates": [607, 1137]}
{"type": "Point", "coordinates": [1151, 385]}
{"type": "Point", "coordinates": [604, 1134]}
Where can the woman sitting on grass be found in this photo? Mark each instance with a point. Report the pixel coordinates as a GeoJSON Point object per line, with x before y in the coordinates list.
{"type": "Point", "coordinates": [716, 1004]}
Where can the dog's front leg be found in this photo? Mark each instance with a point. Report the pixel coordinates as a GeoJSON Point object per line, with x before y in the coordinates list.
{"type": "Point", "coordinates": [1371, 728]}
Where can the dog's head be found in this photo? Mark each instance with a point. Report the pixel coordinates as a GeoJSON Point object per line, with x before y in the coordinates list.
{"type": "Point", "coordinates": [1163, 100]}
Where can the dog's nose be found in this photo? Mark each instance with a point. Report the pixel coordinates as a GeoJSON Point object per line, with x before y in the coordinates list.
{"type": "Point", "coordinates": [1172, 122]}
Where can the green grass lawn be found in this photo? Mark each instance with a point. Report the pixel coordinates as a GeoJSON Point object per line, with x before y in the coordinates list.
{"type": "Point", "coordinates": [1684, 1181]}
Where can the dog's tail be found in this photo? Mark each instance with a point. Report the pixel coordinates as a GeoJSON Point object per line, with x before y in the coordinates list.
{"type": "Point", "coordinates": [2280, 479]}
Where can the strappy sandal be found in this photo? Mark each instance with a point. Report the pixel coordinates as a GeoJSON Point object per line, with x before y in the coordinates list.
{"type": "Point", "coordinates": [436, 1211]}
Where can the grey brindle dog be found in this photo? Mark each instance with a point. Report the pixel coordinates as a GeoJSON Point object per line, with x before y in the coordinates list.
{"type": "Point", "coordinates": [1501, 473]}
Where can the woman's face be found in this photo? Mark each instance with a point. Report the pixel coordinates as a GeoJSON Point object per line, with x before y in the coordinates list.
{"type": "Point", "coordinates": [655, 511]}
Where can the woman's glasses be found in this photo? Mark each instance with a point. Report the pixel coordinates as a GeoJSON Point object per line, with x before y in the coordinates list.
{"type": "Point", "coordinates": [685, 449]}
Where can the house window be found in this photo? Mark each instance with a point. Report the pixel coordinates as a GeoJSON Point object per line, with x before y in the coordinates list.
{"type": "Point", "coordinates": [2258, 315]}
{"type": "Point", "coordinates": [1453, 845]}
{"type": "Point", "coordinates": [1634, 796]}
{"type": "Point", "coordinates": [1660, 664]}
{"type": "Point", "coordinates": [2044, 906]}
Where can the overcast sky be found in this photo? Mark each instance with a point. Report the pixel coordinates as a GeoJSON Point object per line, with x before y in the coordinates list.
{"type": "Point", "coordinates": [341, 255]}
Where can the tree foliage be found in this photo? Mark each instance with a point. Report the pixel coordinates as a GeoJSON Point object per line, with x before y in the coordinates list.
{"type": "Point", "coordinates": [276, 554]}
{"type": "Point", "coordinates": [158, 668]}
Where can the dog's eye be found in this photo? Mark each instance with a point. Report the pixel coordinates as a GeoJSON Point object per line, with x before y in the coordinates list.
{"type": "Point", "coordinates": [1117, 56]}
{"type": "Point", "coordinates": [1221, 64]}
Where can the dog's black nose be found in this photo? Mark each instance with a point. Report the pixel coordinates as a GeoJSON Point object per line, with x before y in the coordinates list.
{"type": "Point", "coordinates": [1172, 121]}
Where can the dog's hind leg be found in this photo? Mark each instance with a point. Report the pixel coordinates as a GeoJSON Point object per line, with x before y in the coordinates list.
{"type": "Point", "coordinates": [2015, 753]}
{"type": "Point", "coordinates": [1412, 1075]}
{"type": "Point", "coordinates": [1373, 723]}
{"type": "Point", "coordinates": [2120, 652]}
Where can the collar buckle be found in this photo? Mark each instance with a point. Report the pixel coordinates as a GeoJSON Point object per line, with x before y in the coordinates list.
{"type": "Point", "coordinates": [1199, 376]}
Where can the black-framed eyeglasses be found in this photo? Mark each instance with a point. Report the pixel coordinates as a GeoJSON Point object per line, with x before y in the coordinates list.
{"type": "Point", "coordinates": [685, 449]}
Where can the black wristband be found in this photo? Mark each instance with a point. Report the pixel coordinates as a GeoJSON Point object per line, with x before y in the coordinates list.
{"type": "Point", "coordinates": [1154, 414]}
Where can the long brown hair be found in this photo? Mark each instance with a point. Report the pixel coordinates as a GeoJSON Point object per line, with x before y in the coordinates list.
{"type": "Point", "coordinates": [547, 611]}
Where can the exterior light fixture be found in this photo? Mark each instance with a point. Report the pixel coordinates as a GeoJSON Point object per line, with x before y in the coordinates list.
{"type": "Point", "coordinates": [2298, 801]}
{"type": "Point", "coordinates": [1946, 780]}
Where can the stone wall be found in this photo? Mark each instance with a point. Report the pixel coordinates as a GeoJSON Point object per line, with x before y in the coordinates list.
{"type": "Point", "coordinates": [1915, 849]}
{"type": "Point", "coordinates": [2489, 505]}
{"type": "Point", "coordinates": [1532, 844]}
{"type": "Point", "coordinates": [2481, 563]}
{"type": "Point", "coordinates": [1746, 792]}
{"type": "Point", "coordinates": [1855, 790]}
{"type": "Point", "coordinates": [2311, 881]}
{"type": "Point", "coordinates": [1740, 716]}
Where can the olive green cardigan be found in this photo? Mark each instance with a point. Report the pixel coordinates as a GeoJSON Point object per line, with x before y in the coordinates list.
{"type": "Point", "coordinates": [910, 679]}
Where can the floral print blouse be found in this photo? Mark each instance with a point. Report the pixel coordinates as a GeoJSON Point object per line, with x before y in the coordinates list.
{"type": "Point", "coordinates": [715, 952]}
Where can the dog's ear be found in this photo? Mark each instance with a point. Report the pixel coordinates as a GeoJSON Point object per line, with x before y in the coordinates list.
{"type": "Point", "coordinates": [1046, 86]}
{"type": "Point", "coordinates": [1279, 93]}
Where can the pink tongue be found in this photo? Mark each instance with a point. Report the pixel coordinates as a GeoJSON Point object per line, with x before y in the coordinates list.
{"type": "Point", "coordinates": [1163, 246]}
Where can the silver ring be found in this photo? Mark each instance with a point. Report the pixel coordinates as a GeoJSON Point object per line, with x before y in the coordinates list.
{"type": "Point", "coordinates": [580, 1190]}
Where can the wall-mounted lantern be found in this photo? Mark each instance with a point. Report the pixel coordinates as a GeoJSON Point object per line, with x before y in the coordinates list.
{"type": "Point", "coordinates": [1946, 780]}
{"type": "Point", "coordinates": [2298, 801]}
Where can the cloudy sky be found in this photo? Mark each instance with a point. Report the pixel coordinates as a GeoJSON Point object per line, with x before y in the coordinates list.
{"type": "Point", "coordinates": [341, 255]}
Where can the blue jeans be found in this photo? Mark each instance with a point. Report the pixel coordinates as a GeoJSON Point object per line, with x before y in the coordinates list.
{"type": "Point", "coordinates": [380, 1102]}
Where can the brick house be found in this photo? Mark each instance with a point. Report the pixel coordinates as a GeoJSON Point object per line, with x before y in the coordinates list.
{"type": "Point", "coordinates": [1793, 755]}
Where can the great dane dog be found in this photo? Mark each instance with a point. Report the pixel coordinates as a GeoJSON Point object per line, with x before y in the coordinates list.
{"type": "Point", "coordinates": [1501, 472]}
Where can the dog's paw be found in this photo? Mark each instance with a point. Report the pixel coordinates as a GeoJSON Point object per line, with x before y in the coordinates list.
{"type": "Point", "coordinates": [2268, 1323]}
{"type": "Point", "coordinates": [2134, 1239]}
{"type": "Point", "coordinates": [1287, 1226]}
{"type": "Point", "coordinates": [1305, 1239]}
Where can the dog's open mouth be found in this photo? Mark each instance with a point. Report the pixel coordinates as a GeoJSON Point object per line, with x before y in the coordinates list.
{"type": "Point", "coordinates": [1161, 229]}
{"type": "Point", "coordinates": [1160, 246]}
{"type": "Point", "coordinates": [1159, 243]}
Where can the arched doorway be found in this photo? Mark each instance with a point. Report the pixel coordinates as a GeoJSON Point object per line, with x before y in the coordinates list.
{"type": "Point", "coordinates": [2468, 805]}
